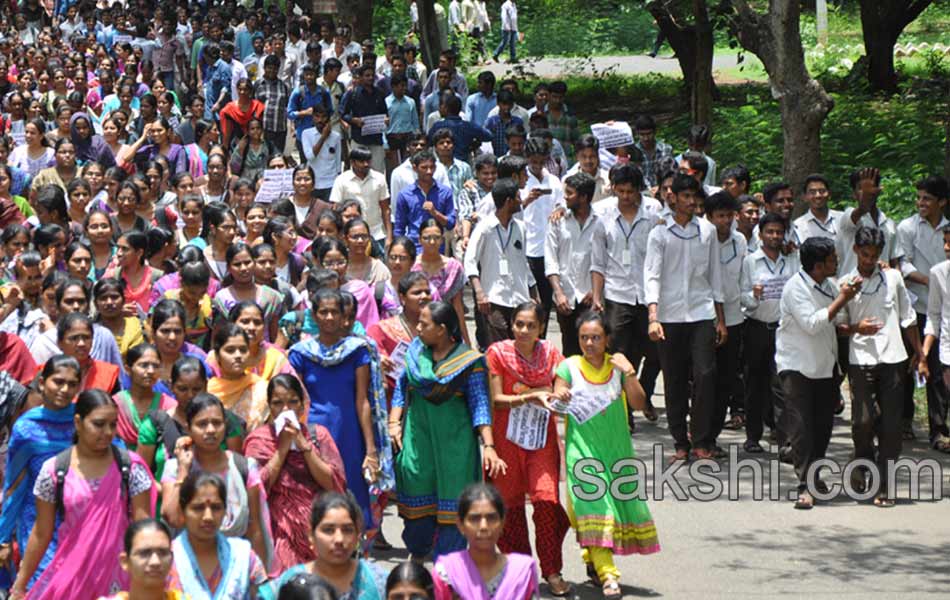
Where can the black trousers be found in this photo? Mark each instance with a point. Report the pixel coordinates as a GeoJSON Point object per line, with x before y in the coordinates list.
{"type": "Point", "coordinates": [628, 325]}
{"type": "Point", "coordinates": [690, 348]}
{"type": "Point", "coordinates": [568, 324]}
{"type": "Point", "coordinates": [498, 324]}
{"type": "Point", "coordinates": [809, 415]}
{"type": "Point", "coordinates": [545, 291]}
{"type": "Point", "coordinates": [937, 393]}
{"type": "Point", "coordinates": [727, 363]}
{"type": "Point", "coordinates": [876, 411]}
{"type": "Point", "coordinates": [764, 397]}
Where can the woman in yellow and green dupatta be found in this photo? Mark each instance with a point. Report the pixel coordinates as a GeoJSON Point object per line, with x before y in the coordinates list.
{"type": "Point", "coordinates": [444, 394]}
{"type": "Point", "coordinates": [605, 525]}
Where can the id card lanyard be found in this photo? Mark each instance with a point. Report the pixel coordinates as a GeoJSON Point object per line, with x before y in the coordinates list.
{"type": "Point", "coordinates": [503, 269]}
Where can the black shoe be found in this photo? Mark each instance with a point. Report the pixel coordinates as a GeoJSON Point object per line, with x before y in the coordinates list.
{"type": "Point", "coordinates": [651, 54]}
{"type": "Point", "coordinates": [753, 447]}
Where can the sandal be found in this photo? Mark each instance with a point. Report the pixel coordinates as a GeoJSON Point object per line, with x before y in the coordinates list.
{"type": "Point", "coordinates": [942, 444]}
{"type": "Point", "coordinates": [650, 413]}
{"type": "Point", "coordinates": [557, 586]}
{"type": "Point", "coordinates": [611, 589]}
{"type": "Point", "coordinates": [908, 434]}
{"type": "Point", "coordinates": [735, 423]}
{"type": "Point", "coordinates": [883, 501]}
{"type": "Point", "coordinates": [805, 501]}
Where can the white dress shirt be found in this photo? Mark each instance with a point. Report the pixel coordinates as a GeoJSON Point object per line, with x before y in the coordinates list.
{"type": "Point", "coordinates": [567, 254]}
{"type": "Point", "coordinates": [683, 273]}
{"type": "Point", "coordinates": [938, 309]}
{"type": "Point", "coordinates": [844, 243]}
{"type": "Point", "coordinates": [509, 16]}
{"type": "Point", "coordinates": [759, 269]}
{"type": "Point", "coordinates": [623, 283]}
{"type": "Point", "coordinates": [326, 165]}
{"type": "Point", "coordinates": [370, 191]}
{"type": "Point", "coordinates": [920, 246]}
{"type": "Point", "coordinates": [489, 246]}
{"type": "Point", "coordinates": [602, 189]}
{"type": "Point", "coordinates": [884, 297]}
{"type": "Point", "coordinates": [808, 225]}
{"type": "Point", "coordinates": [731, 254]}
{"type": "Point", "coordinates": [535, 215]}
{"type": "Point", "coordinates": [806, 341]}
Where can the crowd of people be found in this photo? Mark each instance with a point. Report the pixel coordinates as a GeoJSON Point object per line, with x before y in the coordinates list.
{"type": "Point", "coordinates": [209, 392]}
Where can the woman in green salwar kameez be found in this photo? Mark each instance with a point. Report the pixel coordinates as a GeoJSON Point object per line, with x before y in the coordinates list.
{"type": "Point", "coordinates": [605, 525]}
{"type": "Point", "coordinates": [443, 392]}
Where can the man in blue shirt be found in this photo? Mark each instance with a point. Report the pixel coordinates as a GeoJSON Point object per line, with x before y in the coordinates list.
{"type": "Point", "coordinates": [479, 104]}
{"type": "Point", "coordinates": [464, 133]}
{"type": "Point", "coordinates": [303, 99]}
{"type": "Point", "coordinates": [425, 199]}
{"type": "Point", "coordinates": [217, 83]}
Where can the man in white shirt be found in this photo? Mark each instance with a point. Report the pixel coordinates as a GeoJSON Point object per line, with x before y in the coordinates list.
{"type": "Point", "coordinates": [618, 253]}
{"type": "Point", "coordinates": [587, 151]}
{"type": "Point", "coordinates": [875, 319]}
{"type": "Point", "coordinates": [764, 275]}
{"type": "Point", "coordinates": [509, 30]}
{"type": "Point", "coordinates": [567, 258]}
{"type": "Point", "coordinates": [369, 187]}
{"type": "Point", "coordinates": [683, 291]}
{"type": "Point", "coordinates": [938, 328]}
{"type": "Point", "coordinates": [920, 243]}
{"type": "Point", "coordinates": [819, 221]}
{"type": "Point", "coordinates": [780, 200]}
{"type": "Point", "coordinates": [541, 194]}
{"type": "Point", "coordinates": [806, 355]}
{"type": "Point", "coordinates": [495, 263]}
{"type": "Point", "coordinates": [721, 212]}
{"type": "Point", "coordinates": [323, 151]}
{"type": "Point", "coordinates": [866, 186]}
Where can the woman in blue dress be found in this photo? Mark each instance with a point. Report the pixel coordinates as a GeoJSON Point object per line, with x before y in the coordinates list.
{"type": "Point", "coordinates": [341, 374]}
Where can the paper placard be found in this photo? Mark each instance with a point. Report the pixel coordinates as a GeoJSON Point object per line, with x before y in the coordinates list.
{"type": "Point", "coordinates": [398, 356]}
{"type": "Point", "coordinates": [772, 288]}
{"type": "Point", "coordinates": [276, 184]}
{"type": "Point", "coordinates": [613, 135]}
{"type": "Point", "coordinates": [584, 405]}
{"type": "Point", "coordinates": [121, 38]}
{"type": "Point", "coordinates": [373, 125]}
{"type": "Point", "coordinates": [528, 426]}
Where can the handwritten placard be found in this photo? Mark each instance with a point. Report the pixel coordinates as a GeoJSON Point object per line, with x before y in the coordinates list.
{"type": "Point", "coordinates": [584, 404]}
{"type": "Point", "coordinates": [613, 135]}
{"type": "Point", "coordinates": [276, 184]}
{"type": "Point", "coordinates": [528, 426]}
{"type": "Point", "coordinates": [772, 288]}
{"type": "Point", "coordinates": [373, 125]}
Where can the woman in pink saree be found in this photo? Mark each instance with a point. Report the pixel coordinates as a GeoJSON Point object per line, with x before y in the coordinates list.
{"type": "Point", "coordinates": [300, 461]}
{"type": "Point", "coordinates": [97, 502]}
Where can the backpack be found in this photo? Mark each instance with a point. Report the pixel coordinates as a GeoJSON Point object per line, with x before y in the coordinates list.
{"type": "Point", "coordinates": [61, 465]}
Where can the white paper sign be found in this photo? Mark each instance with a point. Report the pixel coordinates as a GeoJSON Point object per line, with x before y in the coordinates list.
{"type": "Point", "coordinates": [373, 125]}
{"type": "Point", "coordinates": [528, 426]}
{"type": "Point", "coordinates": [276, 184]}
{"type": "Point", "coordinates": [121, 38]}
{"type": "Point", "coordinates": [772, 288]}
{"type": "Point", "coordinates": [584, 405]}
{"type": "Point", "coordinates": [398, 356]}
{"type": "Point", "coordinates": [613, 135]}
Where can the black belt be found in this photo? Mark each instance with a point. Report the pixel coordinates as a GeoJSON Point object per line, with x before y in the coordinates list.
{"type": "Point", "coordinates": [769, 326]}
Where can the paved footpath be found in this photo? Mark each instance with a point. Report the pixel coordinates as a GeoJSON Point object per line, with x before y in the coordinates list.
{"type": "Point", "coordinates": [765, 549]}
{"type": "Point", "coordinates": [619, 65]}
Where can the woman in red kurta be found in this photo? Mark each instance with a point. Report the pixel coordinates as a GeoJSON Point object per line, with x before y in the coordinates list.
{"type": "Point", "coordinates": [74, 336]}
{"type": "Point", "coordinates": [521, 375]}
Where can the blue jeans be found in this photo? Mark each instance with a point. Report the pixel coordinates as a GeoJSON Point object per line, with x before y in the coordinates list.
{"type": "Point", "coordinates": [508, 38]}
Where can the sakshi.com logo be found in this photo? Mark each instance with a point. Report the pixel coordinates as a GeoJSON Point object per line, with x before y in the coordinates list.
{"type": "Point", "coordinates": [706, 480]}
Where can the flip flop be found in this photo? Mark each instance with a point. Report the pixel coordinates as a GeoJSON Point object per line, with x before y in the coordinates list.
{"type": "Point", "coordinates": [611, 589]}
{"type": "Point", "coordinates": [557, 586]}
{"type": "Point", "coordinates": [805, 501]}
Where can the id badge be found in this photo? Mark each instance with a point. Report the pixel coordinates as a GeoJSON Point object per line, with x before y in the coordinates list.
{"type": "Point", "coordinates": [625, 258]}
{"type": "Point", "coordinates": [503, 267]}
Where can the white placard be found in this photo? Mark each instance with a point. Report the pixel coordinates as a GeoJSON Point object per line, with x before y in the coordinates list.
{"type": "Point", "coordinates": [528, 426]}
{"type": "Point", "coordinates": [373, 125]}
{"type": "Point", "coordinates": [584, 405]}
{"type": "Point", "coordinates": [121, 38]}
{"type": "Point", "coordinates": [613, 135]}
{"type": "Point", "coordinates": [772, 288]}
{"type": "Point", "coordinates": [398, 356]}
{"type": "Point", "coordinates": [276, 184]}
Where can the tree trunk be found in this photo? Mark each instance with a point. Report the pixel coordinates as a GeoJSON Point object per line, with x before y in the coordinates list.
{"type": "Point", "coordinates": [701, 90]}
{"type": "Point", "coordinates": [429, 40]}
{"type": "Point", "coordinates": [775, 38]}
{"type": "Point", "coordinates": [358, 14]}
{"type": "Point", "coordinates": [882, 22]}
